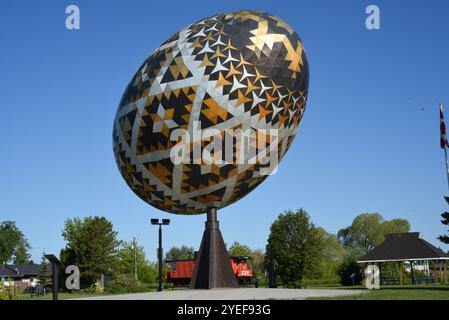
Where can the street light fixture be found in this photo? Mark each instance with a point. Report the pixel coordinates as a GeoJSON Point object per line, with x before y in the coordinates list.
{"type": "Point", "coordinates": [164, 222]}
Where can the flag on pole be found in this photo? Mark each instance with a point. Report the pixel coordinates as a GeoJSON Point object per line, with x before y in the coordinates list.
{"type": "Point", "coordinates": [443, 137]}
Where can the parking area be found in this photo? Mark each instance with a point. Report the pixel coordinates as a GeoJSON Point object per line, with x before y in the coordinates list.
{"type": "Point", "coordinates": [231, 294]}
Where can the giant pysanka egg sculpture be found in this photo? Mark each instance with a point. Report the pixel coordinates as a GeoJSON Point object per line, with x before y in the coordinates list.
{"type": "Point", "coordinates": [237, 71]}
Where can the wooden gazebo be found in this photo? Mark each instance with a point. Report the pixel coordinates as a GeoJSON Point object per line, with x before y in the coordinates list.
{"type": "Point", "coordinates": [408, 247]}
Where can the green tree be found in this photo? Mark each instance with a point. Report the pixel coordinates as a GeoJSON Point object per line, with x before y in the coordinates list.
{"type": "Point", "coordinates": [444, 238]}
{"type": "Point", "coordinates": [258, 262]}
{"type": "Point", "coordinates": [43, 276]}
{"type": "Point", "coordinates": [126, 264]}
{"type": "Point", "coordinates": [349, 270]}
{"type": "Point", "coordinates": [22, 255]}
{"type": "Point", "coordinates": [153, 272]}
{"type": "Point", "coordinates": [92, 245]}
{"type": "Point", "coordinates": [394, 226]}
{"type": "Point", "coordinates": [445, 215]}
{"type": "Point", "coordinates": [13, 244]}
{"type": "Point", "coordinates": [238, 250]}
{"type": "Point", "coordinates": [330, 258]}
{"type": "Point", "coordinates": [177, 253]}
{"type": "Point", "coordinates": [367, 231]}
{"type": "Point", "coordinates": [293, 247]}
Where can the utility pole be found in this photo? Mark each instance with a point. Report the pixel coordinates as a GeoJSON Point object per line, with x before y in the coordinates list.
{"type": "Point", "coordinates": [135, 258]}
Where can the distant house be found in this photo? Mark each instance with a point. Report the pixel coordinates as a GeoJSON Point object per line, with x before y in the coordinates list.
{"type": "Point", "coordinates": [21, 275]}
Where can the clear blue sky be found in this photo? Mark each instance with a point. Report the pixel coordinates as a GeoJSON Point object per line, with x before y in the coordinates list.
{"type": "Point", "coordinates": [365, 143]}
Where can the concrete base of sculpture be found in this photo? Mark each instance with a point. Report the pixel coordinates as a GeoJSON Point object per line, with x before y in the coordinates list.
{"type": "Point", "coordinates": [213, 268]}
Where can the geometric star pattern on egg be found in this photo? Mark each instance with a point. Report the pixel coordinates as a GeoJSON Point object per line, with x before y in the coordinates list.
{"type": "Point", "coordinates": [242, 70]}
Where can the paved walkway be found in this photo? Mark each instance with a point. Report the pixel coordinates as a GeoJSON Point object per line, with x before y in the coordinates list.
{"type": "Point", "coordinates": [230, 294]}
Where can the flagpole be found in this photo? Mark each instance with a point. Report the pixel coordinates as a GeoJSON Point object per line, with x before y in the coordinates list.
{"type": "Point", "coordinates": [447, 166]}
{"type": "Point", "coordinates": [443, 139]}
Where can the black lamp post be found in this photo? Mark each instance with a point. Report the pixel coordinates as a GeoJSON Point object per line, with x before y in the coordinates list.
{"type": "Point", "coordinates": [159, 250]}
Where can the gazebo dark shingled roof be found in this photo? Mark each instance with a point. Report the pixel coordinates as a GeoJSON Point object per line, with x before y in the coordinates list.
{"type": "Point", "coordinates": [404, 247]}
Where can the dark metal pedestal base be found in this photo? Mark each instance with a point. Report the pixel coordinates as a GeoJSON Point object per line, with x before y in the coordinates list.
{"type": "Point", "coordinates": [213, 267]}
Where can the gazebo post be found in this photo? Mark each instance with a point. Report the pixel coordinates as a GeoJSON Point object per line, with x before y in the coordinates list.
{"type": "Point", "coordinates": [411, 271]}
{"type": "Point", "coordinates": [441, 272]}
{"type": "Point", "coordinates": [380, 273]}
{"type": "Point", "coordinates": [400, 272]}
{"type": "Point", "coordinates": [445, 272]}
{"type": "Point", "coordinates": [364, 274]}
{"type": "Point", "coordinates": [435, 271]}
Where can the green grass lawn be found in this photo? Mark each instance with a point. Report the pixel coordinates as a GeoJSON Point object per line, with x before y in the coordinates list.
{"type": "Point", "coordinates": [397, 293]}
{"type": "Point", "coordinates": [68, 295]}
{"type": "Point", "coordinates": [61, 296]}
{"type": "Point", "coordinates": [84, 294]}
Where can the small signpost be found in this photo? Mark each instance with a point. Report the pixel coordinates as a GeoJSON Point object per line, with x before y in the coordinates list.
{"type": "Point", "coordinates": [55, 266]}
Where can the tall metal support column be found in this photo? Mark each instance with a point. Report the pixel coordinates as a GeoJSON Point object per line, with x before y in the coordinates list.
{"type": "Point", "coordinates": [213, 267]}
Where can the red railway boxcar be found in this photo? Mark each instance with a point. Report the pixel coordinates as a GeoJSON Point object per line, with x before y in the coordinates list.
{"type": "Point", "coordinates": [180, 271]}
{"type": "Point", "coordinates": [242, 270]}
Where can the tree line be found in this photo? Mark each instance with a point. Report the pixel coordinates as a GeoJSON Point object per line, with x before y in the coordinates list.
{"type": "Point", "coordinates": [297, 251]}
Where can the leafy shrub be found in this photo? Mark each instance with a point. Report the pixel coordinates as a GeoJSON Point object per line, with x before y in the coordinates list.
{"type": "Point", "coordinates": [8, 293]}
{"type": "Point", "coordinates": [97, 287]}
{"type": "Point", "coordinates": [263, 281]}
{"type": "Point", "coordinates": [350, 267]}
{"type": "Point", "coordinates": [88, 279]}
{"type": "Point", "coordinates": [125, 283]}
